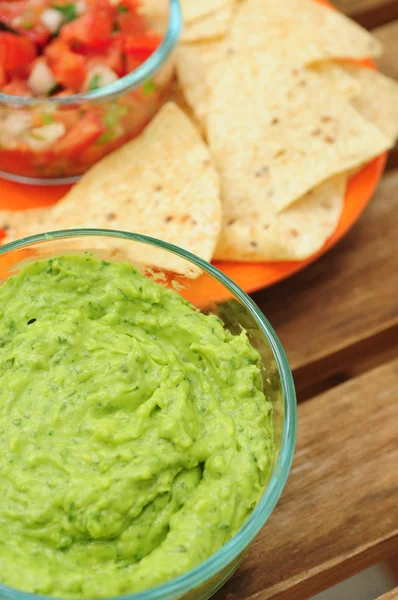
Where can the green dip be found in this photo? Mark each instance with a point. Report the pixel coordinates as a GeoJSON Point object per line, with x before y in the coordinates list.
{"type": "Point", "coordinates": [135, 439]}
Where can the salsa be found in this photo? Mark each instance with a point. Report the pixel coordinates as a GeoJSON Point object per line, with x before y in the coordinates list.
{"type": "Point", "coordinates": [57, 48]}
{"type": "Point", "coordinates": [134, 433]}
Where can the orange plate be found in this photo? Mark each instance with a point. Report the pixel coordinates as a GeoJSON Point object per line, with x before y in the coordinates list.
{"type": "Point", "coordinates": [249, 276]}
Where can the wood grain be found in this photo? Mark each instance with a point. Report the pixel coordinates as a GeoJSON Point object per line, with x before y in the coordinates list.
{"type": "Point", "coordinates": [388, 36]}
{"type": "Point", "coordinates": [393, 595]}
{"type": "Point", "coordinates": [339, 512]}
{"type": "Point", "coordinates": [344, 298]}
{"type": "Point", "coordinates": [369, 13]}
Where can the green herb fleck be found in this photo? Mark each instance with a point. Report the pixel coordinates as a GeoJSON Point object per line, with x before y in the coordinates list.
{"type": "Point", "coordinates": [54, 89]}
{"type": "Point", "coordinates": [94, 82]}
{"type": "Point", "coordinates": [121, 9]}
{"type": "Point", "coordinates": [27, 24]}
{"type": "Point", "coordinates": [47, 119]}
{"type": "Point", "coordinates": [68, 11]}
{"type": "Point", "coordinates": [148, 87]}
{"type": "Point", "coordinates": [105, 137]}
{"type": "Point", "coordinates": [36, 136]}
{"type": "Point", "coordinates": [114, 113]}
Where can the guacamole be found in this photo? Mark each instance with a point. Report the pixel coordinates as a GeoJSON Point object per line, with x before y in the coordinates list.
{"type": "Point", "coordinates": [135, 439]}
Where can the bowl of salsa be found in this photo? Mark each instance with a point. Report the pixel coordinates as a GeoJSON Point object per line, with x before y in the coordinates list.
{"type": "Point", "coordinates": [147, 432]}
{"type": "Point", "coordinates": [78, 78]}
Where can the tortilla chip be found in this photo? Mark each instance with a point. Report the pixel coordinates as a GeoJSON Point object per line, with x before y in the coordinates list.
{"type": "Point", "coordinates": [161, 184]}
{"type": "Point", "coordinates": [337, 78]}
{"type": "Point", "coordinates": [377, 99]}
{"type": "Point", "coordinates": [193, 62]}
{"type": "Point", "coordinates": [210, 26]}
{"type": "Point", "coordinates": [300, 31]}
{"type": "Point", "coordinates": [192, 10]}
{"type": "Point", "coordinates": [294, 234]}
{"type": "Point", "coordinates": [276, 132]}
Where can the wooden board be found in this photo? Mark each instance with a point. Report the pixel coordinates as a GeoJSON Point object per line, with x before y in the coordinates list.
{"type": "Point", "coordinates": [388, 36]}
{"type": "Point", "coordinates": [369, 13]}
{"type": "Point", "coordinates": [393, 595]}
{"type": "Point", "coordinates": [339, 512]}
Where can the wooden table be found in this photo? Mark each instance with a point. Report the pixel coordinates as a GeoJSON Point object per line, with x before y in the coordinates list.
{"type": "Point", "coordinates": [338, 322]}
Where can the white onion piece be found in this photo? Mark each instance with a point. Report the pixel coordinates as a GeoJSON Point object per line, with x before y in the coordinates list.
{"type": "Point", "coordinates": [15, 124]}
{"type": "Point", "coordinates": [41, 138]}
{"type": "Point", "coordinates": [80, 7]}
{"type": "Point", "coordinates": [52, 19]}
{"type": "Point", "coordinates": [104, 76]}
{"type": "Point", "coordinates": [41, 80]}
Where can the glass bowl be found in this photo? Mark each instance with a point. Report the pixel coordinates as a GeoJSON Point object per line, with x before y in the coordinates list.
{"type": "Point", "coordinates": [215, 293]}
{"type": "Point", "coordinates": [88, 125]}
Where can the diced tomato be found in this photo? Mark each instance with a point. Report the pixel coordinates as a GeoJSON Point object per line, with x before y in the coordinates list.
{"type": "Point", "coordinates": [92, 29]}
{"type": "Point", "coordinates": [24, 18]}
{"type": "Point", "coordinates": [3, 76]}
{"type": "Point", "coordinates": [80, 137]}
{"type": "Point", "coordinates": [140, 47]}
{"type": "Point", "coordinates": [56, 49]}
{"type": "Point", "coordinates": [17, 87]}
{"type": "Point", "coordinates": [68, 116]}
{"type": "Point", "coordinates": [37, 34]}
{"type": "Point", "coordinates": [70, 70]}
{"type": "Point", "coordinates": [112, 56]}
{"type": "Point", "coordinates": [16, 52]}
{"type": "Point", "coordinates": [131, 23]}
{"type": "Point", "coordinates": [18, 159]}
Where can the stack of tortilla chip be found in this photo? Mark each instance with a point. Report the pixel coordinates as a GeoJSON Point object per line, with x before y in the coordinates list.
{"type": "Point", "coordinates": [284, 116]}
{"type": "Point", "coordinates": [287, 118]}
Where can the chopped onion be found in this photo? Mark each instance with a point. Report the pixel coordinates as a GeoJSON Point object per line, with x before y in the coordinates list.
{"type": "Point", "coordinates": [52, 19]}
{"type": "Point", "coordinates": [16, 123]}
{"type": "Point", "coordinates": [100, 75]}
{"type": "Point", "coordinates": [80, 7]}
{"type": "Point", "coordinates": [41, 79]}
{"type": "Point", "coordinates": [41, 138]}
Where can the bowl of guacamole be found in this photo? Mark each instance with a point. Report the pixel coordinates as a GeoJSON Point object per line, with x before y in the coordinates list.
{"type": "Point", "coordinates": [147, 422]}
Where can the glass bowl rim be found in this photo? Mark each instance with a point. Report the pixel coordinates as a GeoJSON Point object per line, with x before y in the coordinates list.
{"type": "Point", "coordinates": [124, 84]}
{"type": "Point", "coordinates": [237, 544]}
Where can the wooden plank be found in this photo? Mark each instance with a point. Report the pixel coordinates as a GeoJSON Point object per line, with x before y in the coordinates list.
{"type": "Point", "coordinates": [345, 297]}
{"type": "Point", "coordinates": [369, 13]}
{"type": "Point", "coordinates": [393, 595]}
{"type": "Point", "coordinates": [388, 35]}
{"type": "Point", "coordinates": [339, 512]}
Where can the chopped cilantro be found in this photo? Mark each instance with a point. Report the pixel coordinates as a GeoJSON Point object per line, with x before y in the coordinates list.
{"type": "Point", "coordinates": [105, 137]}
{"type": "Point", "coordinates": [55, 88]}
{"type": "Point", "coordinates": [114, 113]}
{"type": "Point", "coordinates": [36, 136]}
{"type": "Point", "coordinates": [148, 87]}
{"type": "Point", "coordinates": [68, 11]}
{"type": "Point", "coordinates": [94, 82]}
{"type": "Point", "coordinates": [47, 119]}
{"type": "Point", "coordinates": [121, 9]}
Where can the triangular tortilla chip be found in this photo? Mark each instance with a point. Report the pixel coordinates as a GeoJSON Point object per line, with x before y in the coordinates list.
{"type": "Point", "coordinates": [300, 31]}
{"type": "Point", "coordinates": [294, 234]}
{"type": "Point", "coordinates": [194, 63]}
{"type": "Point", "coordinates": [162, 184]}
{"type": "Point", "coordinates": [337, 78]}
{"type": "Point", "coordinates": [377, 99]}
{"type": "Point", "coordinates": [210, 26]}
{"type": "Point", "coordinates": [276, 132]}
{"type": "Point", "coordinates": [192, 10]}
